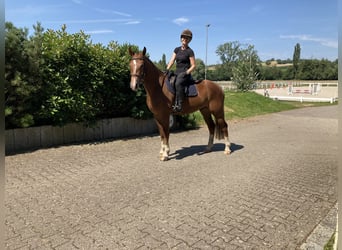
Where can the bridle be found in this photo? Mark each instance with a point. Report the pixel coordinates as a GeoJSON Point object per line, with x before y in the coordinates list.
{"type": "Point", "coordinates": [141, 77]}
{"type": "Point", "coordinates": [142, 74]}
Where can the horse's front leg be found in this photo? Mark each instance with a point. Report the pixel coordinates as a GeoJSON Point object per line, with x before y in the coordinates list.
{"type": "Point", "coordinates": [163, 128]}
{"type": "Point", "coordinates": [210, 143]}
{"type": "Point", "coordinates": [164, 150]}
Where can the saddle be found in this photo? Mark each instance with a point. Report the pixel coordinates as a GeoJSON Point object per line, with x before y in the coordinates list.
{"type": "Point", "coordinates": [190, 89]}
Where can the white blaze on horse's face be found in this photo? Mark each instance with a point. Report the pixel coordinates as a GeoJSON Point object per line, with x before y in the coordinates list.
{"type": "Point", "coordinates": [137, 73]}
{"type": "Point", "coordinates": [134, 75]}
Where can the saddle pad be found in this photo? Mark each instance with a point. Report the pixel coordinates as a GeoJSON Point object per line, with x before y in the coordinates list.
{"type": "Point", "coordinates": [189, 90]}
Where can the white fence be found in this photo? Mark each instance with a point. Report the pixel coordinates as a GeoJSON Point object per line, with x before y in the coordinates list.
{"type": "Point", "coordinates": [281, 84]}
{"type": "Point", "coordinates": [300, 91]}
{"type": "Point", "coordinates": [304, 99]}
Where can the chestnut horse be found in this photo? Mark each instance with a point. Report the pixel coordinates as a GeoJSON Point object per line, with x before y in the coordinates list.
{"type": "Point", "coordinates": [209, 101]}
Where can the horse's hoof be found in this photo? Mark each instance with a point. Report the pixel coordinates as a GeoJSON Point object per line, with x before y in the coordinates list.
{"type": "Point", "coordinates": [165, 158]}
{"type": "Point", "coordinates": [227, 152]}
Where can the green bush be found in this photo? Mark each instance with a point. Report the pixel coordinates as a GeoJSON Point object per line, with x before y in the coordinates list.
{"type": "Point", "coordinates": [56, 78]}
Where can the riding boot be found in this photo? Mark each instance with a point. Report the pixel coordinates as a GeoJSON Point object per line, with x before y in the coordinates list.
{"type": "Point", "coordinates": [179, 99]}
{"type": "Point", "coordinates": [180, 80]}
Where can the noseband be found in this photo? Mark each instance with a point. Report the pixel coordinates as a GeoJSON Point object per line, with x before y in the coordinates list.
{"type": "Point", "coordinates": [142, 74]}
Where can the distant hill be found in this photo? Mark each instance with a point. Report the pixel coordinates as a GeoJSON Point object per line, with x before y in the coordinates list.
{"type": "Point", "coordinates": [265, 64]}
{"type": "Point", "coordinates": [275, 64]}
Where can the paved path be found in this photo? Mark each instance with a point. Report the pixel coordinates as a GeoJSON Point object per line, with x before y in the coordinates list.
{"type": "Point", "coordinates": [270, 193]}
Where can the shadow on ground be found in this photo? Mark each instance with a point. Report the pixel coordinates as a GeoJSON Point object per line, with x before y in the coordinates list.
{"type": "Point", "coordinates": [199, 150]}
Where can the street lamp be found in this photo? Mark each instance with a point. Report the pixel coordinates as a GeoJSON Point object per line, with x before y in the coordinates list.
{"type": "Point", "coordinates": [206, 52]}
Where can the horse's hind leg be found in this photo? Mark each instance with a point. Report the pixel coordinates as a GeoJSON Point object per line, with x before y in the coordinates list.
{"type": "Point", "coordinates": [211, 127]}
{"type": "Point", "coordinates": [222, 133]}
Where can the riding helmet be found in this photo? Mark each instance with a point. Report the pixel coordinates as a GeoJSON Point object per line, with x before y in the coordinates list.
{"type": "Point", "coordinates": [187, 33]}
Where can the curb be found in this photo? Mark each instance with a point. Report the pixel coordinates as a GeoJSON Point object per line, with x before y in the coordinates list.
{"type": "Point", "coordinates": [323, 232]}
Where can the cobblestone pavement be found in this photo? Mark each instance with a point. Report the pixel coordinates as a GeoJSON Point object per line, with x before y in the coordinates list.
{"type": "Point", "coordinates": [270, 193]}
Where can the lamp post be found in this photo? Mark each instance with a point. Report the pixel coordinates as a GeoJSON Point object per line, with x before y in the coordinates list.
{"type": "Point", "coordinates": [206, 52]}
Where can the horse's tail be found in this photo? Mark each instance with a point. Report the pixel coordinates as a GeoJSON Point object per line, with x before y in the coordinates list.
{"type": "Point", "coordinates": [220, 123]}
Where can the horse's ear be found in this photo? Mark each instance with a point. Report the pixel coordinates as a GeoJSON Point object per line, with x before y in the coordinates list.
{"type": "Point", "coordinates": [144, 51]}
{"type": "Point", "coordinates": [130, 51]}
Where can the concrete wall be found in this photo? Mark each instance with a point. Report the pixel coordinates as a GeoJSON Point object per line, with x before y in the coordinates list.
{"type": "Point", "coordinates": [48, 136]}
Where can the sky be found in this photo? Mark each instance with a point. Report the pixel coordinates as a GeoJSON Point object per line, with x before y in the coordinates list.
{"type": "Point", "coordinates": [272, 27]}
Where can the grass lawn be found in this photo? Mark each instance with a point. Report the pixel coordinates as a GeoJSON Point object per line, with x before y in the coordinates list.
{"type": "Point", "coordinates": [330, 243]}
{"type": "Point", "coordinates": [240, 105]}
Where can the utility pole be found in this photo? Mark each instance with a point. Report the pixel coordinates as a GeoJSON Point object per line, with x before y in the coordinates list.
{"type": "Point", "coordinates": [206, 52]}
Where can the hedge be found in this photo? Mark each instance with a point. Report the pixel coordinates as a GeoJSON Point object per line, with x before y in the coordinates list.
{"type": "Point", "coordinates": [56, 78]}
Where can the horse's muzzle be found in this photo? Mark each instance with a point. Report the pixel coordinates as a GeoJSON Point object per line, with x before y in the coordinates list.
{"type": "Point", "coordinates": [135, 83]}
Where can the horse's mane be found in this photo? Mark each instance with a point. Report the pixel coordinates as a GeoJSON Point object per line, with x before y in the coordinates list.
{"type": "Point", "coordinates": [149, 61]}
{"type": "Point", "coordinates": [158, 72]}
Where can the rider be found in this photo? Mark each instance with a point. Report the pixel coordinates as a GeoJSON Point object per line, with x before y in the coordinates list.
{"type": "Point", "coordinates": [185, 64]}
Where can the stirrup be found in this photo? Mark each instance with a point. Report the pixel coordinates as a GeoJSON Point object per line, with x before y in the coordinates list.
{"type": "Point", "coordinates": [177, 108]}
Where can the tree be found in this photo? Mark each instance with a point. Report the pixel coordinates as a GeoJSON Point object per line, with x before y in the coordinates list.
{"type": "Point", "coordinates": [229, 54]}
{"type": "Point", "coordinates": [296, 59]}
{"type": "Point", "coordinates": [313, 69]}
{"type": "Point", "coordinates": [162, 63]}
{"type": "Point", "coordinates": [245, 71]}
{"type": "Point", "coordinates": [18, 89]}
{"type": "Point", "coordinates": [199, 72]}
{"type": "Point", "coordinates": [240, 62]}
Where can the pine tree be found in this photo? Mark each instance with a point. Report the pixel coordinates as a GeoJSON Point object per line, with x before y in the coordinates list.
{"type": "Point", "coordinates": [296, 58]}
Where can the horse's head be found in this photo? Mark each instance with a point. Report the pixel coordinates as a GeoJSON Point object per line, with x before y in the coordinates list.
{"type": "Point", "coordinates": [137, 69]}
